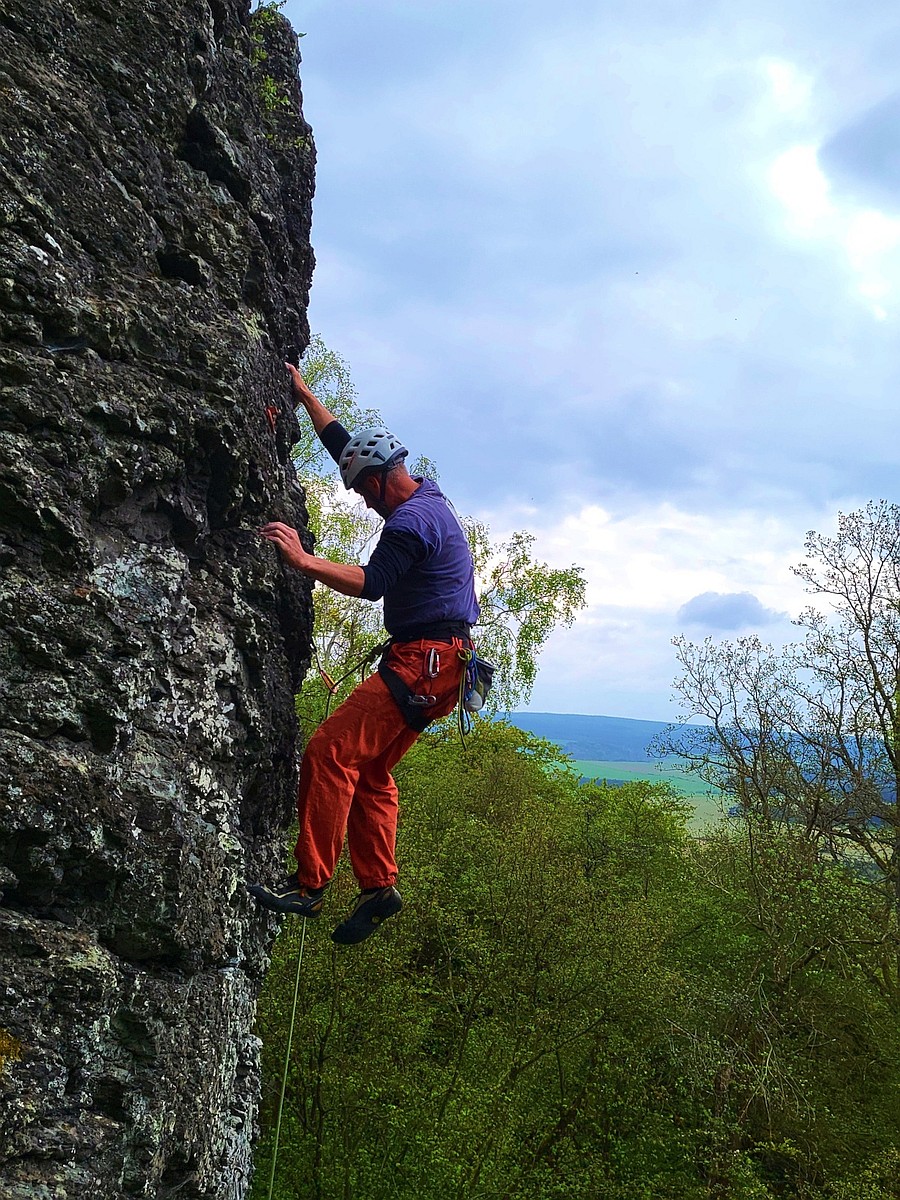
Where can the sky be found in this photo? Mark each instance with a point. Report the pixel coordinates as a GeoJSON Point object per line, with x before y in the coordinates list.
{"type": "Point", "coordinates": [630, 275]}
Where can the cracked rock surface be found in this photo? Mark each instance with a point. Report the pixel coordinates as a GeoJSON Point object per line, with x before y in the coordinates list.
{"type": "Point", "coordinates": [156, 178]}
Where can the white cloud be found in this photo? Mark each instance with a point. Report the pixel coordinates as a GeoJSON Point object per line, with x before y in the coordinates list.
{"type": "Point", "coordinates": [603, 248]}
{"type": "Point", "coordinates": [864, 241]}
{"type": "Point", "coordinates": [872, 240]}
{"type": "Point", "coordinates": [642, 568]}
{"type": "Point", "coordinates": [799, 183]}
{"type": "Point", "coordinates": [791, 89]}
{"type": "Point", "coordinates": [658, 557]}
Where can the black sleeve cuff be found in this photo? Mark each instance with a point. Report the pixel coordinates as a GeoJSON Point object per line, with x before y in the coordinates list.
{"type": "Point", "coordinates": [334, 437]}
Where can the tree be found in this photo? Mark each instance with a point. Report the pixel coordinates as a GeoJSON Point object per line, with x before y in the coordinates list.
{"type": "Point", "coordinates": [505, 1038]}
{"type": "Point", "coordinates": [522, 599]}
{"type": "Point", "coordinates": [581, 1001]}
{"type": "Point", "coordinates": [807, 739]}
{"type": "Point", "coordinates": [522, 602]}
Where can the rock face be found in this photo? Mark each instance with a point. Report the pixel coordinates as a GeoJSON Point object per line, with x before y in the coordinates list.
{"type": "Point", "coordinates": [156, 178]}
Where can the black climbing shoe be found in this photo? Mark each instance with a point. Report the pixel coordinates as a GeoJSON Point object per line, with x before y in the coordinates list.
{"type": "Point", "coordinates": [370, 910]}
{"type": "Point", "coordinates": [289, 896]}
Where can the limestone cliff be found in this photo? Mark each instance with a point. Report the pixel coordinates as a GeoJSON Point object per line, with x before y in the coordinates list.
{"type": "Point", "coordinates": [156, 178]}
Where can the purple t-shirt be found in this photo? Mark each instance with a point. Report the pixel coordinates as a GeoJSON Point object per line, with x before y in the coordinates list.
{"type": "Point", "coordinates": [438, 584]}
{"type": "Point", "coordinates": [422, 564]}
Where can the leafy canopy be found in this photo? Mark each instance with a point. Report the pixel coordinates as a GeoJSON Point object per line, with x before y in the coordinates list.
{"type": "Point", "coordinates": [580, 1002]}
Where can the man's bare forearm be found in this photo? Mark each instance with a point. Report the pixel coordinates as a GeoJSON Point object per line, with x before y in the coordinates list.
{"type": "Point", "coordinates": [318, 413]}
{"type": "Point", "coordinates": [340, 577]}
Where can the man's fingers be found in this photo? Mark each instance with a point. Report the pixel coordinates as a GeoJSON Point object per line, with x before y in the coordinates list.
{"type": "Point", "coordinates": [285, 539]}
{"type": "Point", "coordinates": [299, 383]}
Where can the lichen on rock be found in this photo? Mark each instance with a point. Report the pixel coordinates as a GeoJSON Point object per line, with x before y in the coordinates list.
{"type": "Point", "coordinates": [154, 274]}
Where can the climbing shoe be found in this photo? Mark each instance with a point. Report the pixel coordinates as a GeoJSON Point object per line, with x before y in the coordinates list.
{"type": "Point", "coordinates": [289, 896]}
{"type": "Point", "coordinates": [371, 909]}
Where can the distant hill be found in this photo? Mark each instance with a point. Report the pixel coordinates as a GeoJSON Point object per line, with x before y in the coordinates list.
{"type": "Point", "coordinates": [599, 739]}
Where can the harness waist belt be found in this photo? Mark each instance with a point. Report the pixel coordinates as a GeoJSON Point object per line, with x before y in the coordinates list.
{"type": "Point", "coordinates": [438, 631]}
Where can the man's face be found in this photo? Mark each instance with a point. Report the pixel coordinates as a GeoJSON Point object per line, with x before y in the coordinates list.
{"type": "Point", "coordinates": [370, 490]}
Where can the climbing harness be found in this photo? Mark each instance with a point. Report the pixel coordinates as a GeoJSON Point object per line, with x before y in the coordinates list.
{"type": "Point", "coordinates": [415, 706]}
{"type": "Point", "coordinates": [474, 684]}
{"type": "Point", "coordinates": [287, 1060]}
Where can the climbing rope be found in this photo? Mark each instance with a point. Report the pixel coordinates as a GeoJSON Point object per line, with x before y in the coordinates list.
{"type": "Point", "coordinates": [287, 1059]}
{"type": "Point", "coordinates": [332, 685]}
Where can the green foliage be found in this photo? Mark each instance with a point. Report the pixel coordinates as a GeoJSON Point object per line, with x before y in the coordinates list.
{"type": "Point", "coordinates": [804, 738]}
{"type": "Point", "coordinates": [272, 94]}
{"type": "Point", "coordinates": [581, 1001]}
{"type": "Point", "coordinates": [263, 21]}
{"type": "Point", "coordinates": [266, 16]}
{"type": "Point", "coordinates": [879, 1180]}
{"type": "Point", "coordinates": [789, 1023]}
{"type": "Point", "coordinates": [522, 602]}
{"type": "Point", "coordinates": [475, 1045]}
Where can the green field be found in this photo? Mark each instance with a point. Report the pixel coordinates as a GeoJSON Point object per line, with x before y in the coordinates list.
{"type": "Point", "coordinates": [707, 804]}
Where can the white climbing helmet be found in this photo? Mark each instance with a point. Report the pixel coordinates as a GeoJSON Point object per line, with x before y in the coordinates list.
{"type": "Point", "coordinates": [370, 448]}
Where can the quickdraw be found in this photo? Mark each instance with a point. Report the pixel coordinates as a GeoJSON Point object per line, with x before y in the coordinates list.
{"type": "Point", "coordinates": [332, 685]}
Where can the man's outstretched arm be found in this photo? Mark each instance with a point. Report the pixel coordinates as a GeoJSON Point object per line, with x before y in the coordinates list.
{"type": "Point", "coordinates": [319, 414]}
{"type": "Point", "coordinates": [341, 577]}
{"type": "Point", "coordinates": [324, 422]}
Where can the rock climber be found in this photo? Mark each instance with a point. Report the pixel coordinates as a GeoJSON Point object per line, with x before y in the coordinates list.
{"type": "Point", "coordinates": [422, 568]}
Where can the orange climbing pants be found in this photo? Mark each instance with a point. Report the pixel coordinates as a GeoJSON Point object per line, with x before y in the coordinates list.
{"type": "Point", "coordinates": [346, 786]}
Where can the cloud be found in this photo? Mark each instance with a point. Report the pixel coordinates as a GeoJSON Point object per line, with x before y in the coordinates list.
{"type": "Point", "coordinates": [727, 612]}
{"type": "Point", "coordinates": [630, 276]}
{"type": "Point", "coordinates": [864, 155]}
{"type": "Point", "coordinates": [639, 566]}
{"type": "Point", "coordinates": [656, 253]}
{"type": "Point", "coordinates": [865, 241]}
{"type": "Point", "coordinates": [650, 557]}
{"type": "Point", "coordinates": [797, 180]}
{"type": "Point", "coordinates": [615, 661]}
